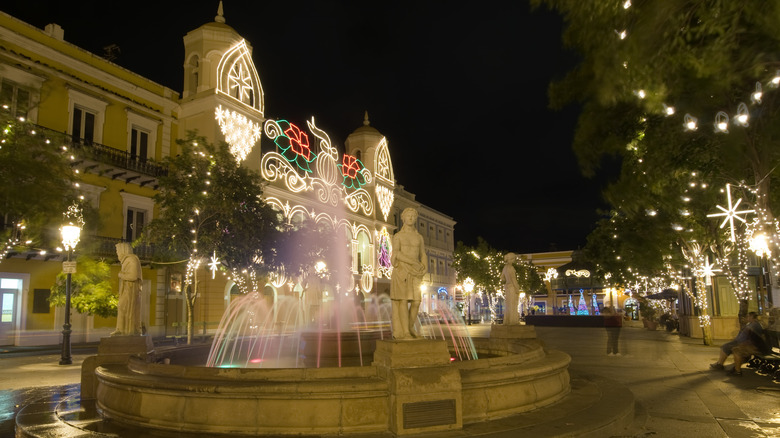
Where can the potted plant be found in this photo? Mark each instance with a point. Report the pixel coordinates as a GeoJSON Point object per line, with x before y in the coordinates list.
{"type": "Point", "coordinates": [648, 313]}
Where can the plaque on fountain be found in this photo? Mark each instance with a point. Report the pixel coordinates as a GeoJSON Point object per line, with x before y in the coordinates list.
{"type": "Point", "coordinates": [425, 389]}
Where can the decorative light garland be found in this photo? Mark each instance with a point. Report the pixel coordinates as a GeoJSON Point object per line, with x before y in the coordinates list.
{"type": "Point", "coordinates": [385, 196]}
{"type": "Point", "coordinates": [721, 119]}
{"type": "Point", "coordinates": [352, 170]}
{"type": "Point", "coordinates": [237, 77]}
{"type": "Point", "coordinates": [295, 148]}
{"type": "Point", "coordinates": [385, 250]}
{"type": "Point", "coordinates": [240, 132]}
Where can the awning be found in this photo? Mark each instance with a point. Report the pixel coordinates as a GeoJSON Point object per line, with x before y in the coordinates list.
{"type": "Point", "coordinates": [666, 294]}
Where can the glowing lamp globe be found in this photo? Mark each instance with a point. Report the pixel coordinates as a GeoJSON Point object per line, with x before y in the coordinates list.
{"type": "Point", "coordinates": [468, 285]}
{"type": "Point", "coordinates": [70, 236]}
{"type": "Point", "coordinates": [759, 245]}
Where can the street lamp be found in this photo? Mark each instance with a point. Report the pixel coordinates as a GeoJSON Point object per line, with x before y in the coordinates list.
{"type": "Point", "coordinates": [71, 231]}
{"type": "Point", "coordinates": [468, 286]}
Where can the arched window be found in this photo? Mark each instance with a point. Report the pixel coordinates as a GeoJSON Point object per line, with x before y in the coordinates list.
{"type": "Point", "coordinates": [363, 254]}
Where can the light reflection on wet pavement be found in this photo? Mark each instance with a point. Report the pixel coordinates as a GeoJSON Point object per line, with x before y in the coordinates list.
{"type": "Point", "coordinates": [31, 404]}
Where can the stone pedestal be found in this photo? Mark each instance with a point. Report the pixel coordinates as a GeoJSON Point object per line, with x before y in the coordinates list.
{"type": "Point", "coordinates": [513, 331]}
{"type": "Point", "coordinates": [425, 389]}
{"type": "Point", "coordinates": [112, 350]}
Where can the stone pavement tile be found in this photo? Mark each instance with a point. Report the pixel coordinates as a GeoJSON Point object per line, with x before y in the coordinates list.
{"type": "Point", "coordinates": [690, 427]}
{"type": "Point", "coordinates": [718, 403]}
{"type": "Point", "coordinates": [735, 428]}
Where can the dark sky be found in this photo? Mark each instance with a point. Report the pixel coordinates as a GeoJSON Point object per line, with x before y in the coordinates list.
{"type": "Point", "coordinates": [458, 89]}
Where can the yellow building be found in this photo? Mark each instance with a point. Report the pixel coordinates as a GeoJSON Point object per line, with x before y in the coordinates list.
{"type": "Point", "coordinates": [119, 126]}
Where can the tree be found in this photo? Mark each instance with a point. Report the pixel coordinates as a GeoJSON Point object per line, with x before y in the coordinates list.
{"type": "Point", "coordinates": [652, 81]}
{"type": "Point", "coordinates": [91, 290]}
{"type": "Point", "coordinates": [305, 243]}
{"type": "Point", "coordinates": [36, 184]}
{"type": "Point", "coordinates": [483, 264]}
{"type": "Point", "coordinates": [209, 204]}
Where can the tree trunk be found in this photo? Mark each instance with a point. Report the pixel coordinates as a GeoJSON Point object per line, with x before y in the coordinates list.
{"type": "Point", "coordinates": [743, 310]}
{"type": "Point", "coordinates": [191, 310]}
{"type": "Point", "coordinates": [706, 333]}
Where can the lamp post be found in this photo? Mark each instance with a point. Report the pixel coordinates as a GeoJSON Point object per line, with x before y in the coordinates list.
{"type": "Point", "coordinates": [468, 286]}
{"type": "Point", "coordinates": [71, 231]}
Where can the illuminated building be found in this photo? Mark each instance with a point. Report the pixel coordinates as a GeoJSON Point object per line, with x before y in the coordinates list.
{"type": "Point", "coordinates": [120, 126]}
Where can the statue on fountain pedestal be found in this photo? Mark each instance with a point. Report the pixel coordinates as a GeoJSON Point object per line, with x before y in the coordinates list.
{"type": "Point", "coordinates": [128, 318]}
{"type": "Point", "coordinates": [409, 265]}
{"type": "Point", "coordinates": [511, 289]}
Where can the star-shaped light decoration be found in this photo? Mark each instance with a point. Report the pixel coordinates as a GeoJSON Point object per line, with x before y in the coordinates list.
{"type": "Point", "coordinates": [730, 213]}
{"type": "Point", "coordinates": [550, 274]}
{"type": "Point", "coordinates": [214, 264]}
{"type": "Point", "coordinates": [707, 270]}
{"type": "Point", "coordinates": [240, 81]}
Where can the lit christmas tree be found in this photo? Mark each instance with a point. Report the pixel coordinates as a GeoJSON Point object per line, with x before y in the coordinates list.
{"type": "Point", "coordinates": [595, 306]}
{"type": "Point", "coordinates": [582, 309]}
{"type": "Point", "coordinates": [571, 307]}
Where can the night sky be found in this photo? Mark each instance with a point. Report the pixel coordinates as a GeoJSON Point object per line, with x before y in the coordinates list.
{"type": "Point", "coordinates": [459, 90]}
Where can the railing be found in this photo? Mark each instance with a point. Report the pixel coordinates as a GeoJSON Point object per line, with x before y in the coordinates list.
{"type": "Point", "coordinates": [101, 246]}
{"type": "Point", "coordinates": [108, 155]}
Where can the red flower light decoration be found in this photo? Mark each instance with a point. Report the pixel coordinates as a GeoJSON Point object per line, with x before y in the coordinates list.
{"type": "Point", "coordinates": [352, 170]}
{"type": "Point", "coordinates": [295, 145]}
{"type": "Point", "coordinates": [299, 141]}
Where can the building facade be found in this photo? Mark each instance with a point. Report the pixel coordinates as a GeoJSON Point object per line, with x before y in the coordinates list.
{"type": "Point", "coordinates": [119, 126]}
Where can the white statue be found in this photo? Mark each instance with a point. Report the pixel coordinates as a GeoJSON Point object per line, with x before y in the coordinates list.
{"type": "Point", "coordinates": [409, 265]}
{"type": "Point", "coordinates": [511, 289]}
{"type": "Point", "coordinates": [312, 295]}
{"type": "Point", "coordinates": [128, 318]}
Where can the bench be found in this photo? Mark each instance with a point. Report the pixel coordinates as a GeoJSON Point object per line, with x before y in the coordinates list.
{"type": "Point", "coordinates": [768, 364]}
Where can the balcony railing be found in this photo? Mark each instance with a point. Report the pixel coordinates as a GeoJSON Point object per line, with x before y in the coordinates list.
{"type": "Point", "coordinates": [105, 247]}
{"type": "Point", "coordinates": [107, 155]}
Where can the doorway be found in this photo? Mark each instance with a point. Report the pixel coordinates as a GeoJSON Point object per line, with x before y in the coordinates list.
{"type": "Point", "coordinates": [8, 305]}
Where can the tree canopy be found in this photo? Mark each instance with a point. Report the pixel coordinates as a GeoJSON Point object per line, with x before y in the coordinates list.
{"type": "Point", "coordinates": [483, 264]}
{"type": "Point", "coordinates": [91, 290]}
{"type": "Point", "coordinates": [668, 91]}
{"type": "Point", "coordinates": [209, 205]}
{"type": "Point", "coordinates": [36, 183]}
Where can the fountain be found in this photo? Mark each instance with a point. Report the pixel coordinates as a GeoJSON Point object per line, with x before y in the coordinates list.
{"type": "Point", "coordinates": [290, 333]}
{"type": "Point", "coordinates": [411, 386]}
{"type": "Point", "coordinates": [290, 366]}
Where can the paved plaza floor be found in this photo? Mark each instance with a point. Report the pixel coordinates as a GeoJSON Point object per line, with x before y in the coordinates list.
{"type": "Point", "coordinates": [676, 394]}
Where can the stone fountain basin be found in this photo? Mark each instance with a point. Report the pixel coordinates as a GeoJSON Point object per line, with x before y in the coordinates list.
{"type": "Point", "coordinates": [518, 376]}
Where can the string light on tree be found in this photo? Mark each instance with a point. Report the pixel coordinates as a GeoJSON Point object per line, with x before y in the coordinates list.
{"type": "Point", "coordinates": [722, 122]}
{"type": "Point", "coordinates": [756, 96]}
{"type": "Point", "coordinates": [742, 114]}
{"type": "Point", "coordinates": [690, 122]}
